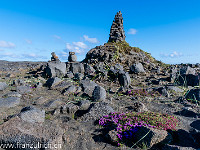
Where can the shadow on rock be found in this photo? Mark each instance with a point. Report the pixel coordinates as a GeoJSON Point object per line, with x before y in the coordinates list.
{"type": "Point", "coordinates": [187, 113]}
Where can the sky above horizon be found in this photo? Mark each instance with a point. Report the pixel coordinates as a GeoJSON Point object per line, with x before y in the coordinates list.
{"type": "Point", "coordinates": [31, 30]}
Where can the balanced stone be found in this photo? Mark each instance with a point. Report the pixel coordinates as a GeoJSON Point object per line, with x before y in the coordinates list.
{"type": "Point", "coordinates": [72, 57]}
{"type": "Point", "coordinates": [54, 57]}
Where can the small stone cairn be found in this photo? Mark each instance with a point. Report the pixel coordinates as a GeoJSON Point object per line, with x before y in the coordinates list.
{"type": "Point", "coordinates": [72, 57]}
{"type": "Point", "coordinates": [54, 57]}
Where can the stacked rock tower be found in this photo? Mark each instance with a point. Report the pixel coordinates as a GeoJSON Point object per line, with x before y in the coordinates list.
{"type": "Point", "coordinates": [117, 33]}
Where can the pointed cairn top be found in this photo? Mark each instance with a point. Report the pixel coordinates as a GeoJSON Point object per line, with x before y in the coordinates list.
{"type": "Point", "coordinates": [117, 33]}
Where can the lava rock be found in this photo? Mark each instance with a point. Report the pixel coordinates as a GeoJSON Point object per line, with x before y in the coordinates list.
{"type": "Point", "coordinates": [70, 90]}
{"type": "Point", "coordinates": [51, 82]}
{"type": "Point", "coordinates": [153, 137]}
{"type": "Point", "coordinates": [23, 89]}
{"type": "Point", "coordinates": [124, 79]}
{"type": "Point", "coordinates": [76, 68]}
{"type": "Point", "coordinates": [99, 93]}
{"type": "Point", "coordinates": [12, 94]}
{"type": "Point", "coordinates": [3, 86]}
{"type": "Point", "coordinates": [137, 68]}
{"type": "Point", "coordinates": [9, 102]}
{"type": "Point", "coordinates": [56, 69]}
{"type": "Point", "coordinates": [84, 104]}
{"type": "Point", "coordinates": [98, 110]}
{"type": "Point", "coordinates": [88, 87]}
{"type": "Point", "coordinates": [32, 115]}
{"type": "Point", "coordinates": [89, 70]}
{"type": "Point", "coordinates": [78, 76]}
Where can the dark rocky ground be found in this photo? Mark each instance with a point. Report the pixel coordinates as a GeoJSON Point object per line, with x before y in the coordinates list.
{"type": "Point", "coordinates": [60, 103]}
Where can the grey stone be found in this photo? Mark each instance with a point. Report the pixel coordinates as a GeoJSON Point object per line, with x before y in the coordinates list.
{"type": "Point", "coordinates": [72, 57]}
{"type": "Point", "coordinates": [84, 104]}
{"type": "Point", "coordinates": [78, 76]}
{"type": "Point", "coordinates": [77, 67]}
{"type": "Point", "coordinates": [137, 68]}
{"type": "Point", "coordinates": [187, 70]}
{"type": "Point", "coordinates": [56, 69]}
{"type": "Point", "coordinates": [124, 79]}
{"type": "Point", "coordinates": [70, 90]}
{"type": "Point", "coordinates": [54, 103]}
{"type": "Point", "coordinates": [51, 82]}
{"type": "Point", "coordinates": [89, 70]}
{"type": "Point", "coordinates": [133, 53]}
{"type": "Point", "coordinates": [9, 102]}
{"type": "Point", "coordinates": [39, 100]}
{"type": "Point", "coordinates": [175, 88]}
{"type": "Point", "coordinates": [23, 89]}
{"type": "Point", "coordinates": [69, 108]}
{"type": "Point", "coordinates": [70, 75]}
{"type": "Point", "coordinates": [119, 67]}
{"type": "Point", "coordinates": [32, 115]}
{"type": "Point", "coordinates": [98, 110]}
{"type": "Point", "coordinates": [153, 137]}
{"type": "Point", "coordinates": [61, 86]}
{"type": "Point", "coordinates": [12, 94]}
{"type": "Point", "coordinates": [88, 87]}
{"type": "Point", "coordinates": [18, 132]}
{"type": "Point", "coordinates": [3, 86]}
{"type": "Point", "coordinates": [99, 93]}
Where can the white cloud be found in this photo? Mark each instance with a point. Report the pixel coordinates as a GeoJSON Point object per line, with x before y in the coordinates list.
{"type": "Point", "coordinates": [9, 54]}
{"type": "Point", "coordinates": [91, 40]}
{"type": "Point", "coordinates": [132, 31]}
{"type": "Point", "coordinates": [80, 45]}
{"type": "Point", "coordinates": [28, 41]}
{"type": "Point", "coordinates": [64, 54]}
{"type": "Point", "coordinates": [172, 55]}
{"type": "Point", "coordinates": [57, 37]}
{"type": "Point", "coordinates": [77, 47]}
{"type": "Point", "coordinates": [69, 46]}
{"type": "Point", "coordinates": [7, 44]}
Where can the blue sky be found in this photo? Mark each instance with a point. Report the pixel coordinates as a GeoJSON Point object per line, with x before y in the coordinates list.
{"type": "Point", "coordinates": [32, 29]}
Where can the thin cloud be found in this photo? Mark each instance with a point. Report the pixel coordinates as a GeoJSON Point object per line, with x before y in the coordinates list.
{"type": "Point", "coordinates": [63, 55]}
{"type": "Point", "coordinates": [77, 47]}
{"type": "Point", "coordinates": [80, 45]}
{"type": "Point", "coordinates": [9, 54]}
{"type": "Point", "coordinates": [132, 31]}
{"type": "Point", "coordinates": [28, 41]}
{"type": "Point", "coordinates": [174, 54]}
{"type": "Point", "coordinates": [5, 44]}
{"type": "Point", "coordinates": [57, 37]}
{"type": "Point", "coordinates": [69, 46]}
{"type": "Point", "coordinates": [91, 40]}
{"type": "Point", "coordinates": [33, 56]}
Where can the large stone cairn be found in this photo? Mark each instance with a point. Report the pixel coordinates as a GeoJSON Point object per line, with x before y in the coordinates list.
{"type": "Point", "coordinates": [117, 33]}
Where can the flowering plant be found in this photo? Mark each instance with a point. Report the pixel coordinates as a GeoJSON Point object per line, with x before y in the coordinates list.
{"type": "Point", "coordinates": [127, 124]}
